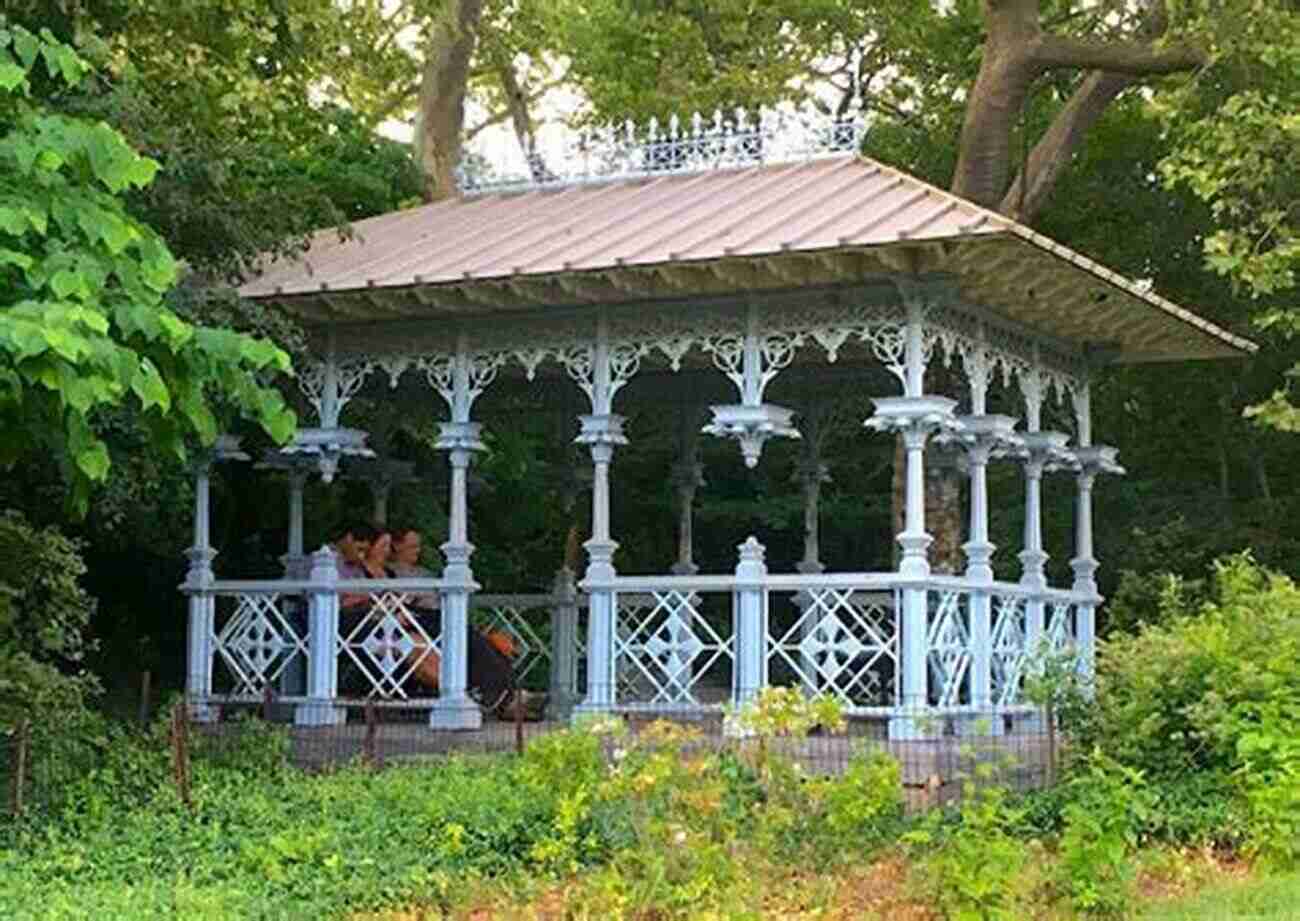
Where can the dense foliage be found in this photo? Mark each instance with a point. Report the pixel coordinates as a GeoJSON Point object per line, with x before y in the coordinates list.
{"type": "Point", "coordinates": [44, 612]}
{"type": "Point", "coordinates": [83, 326]}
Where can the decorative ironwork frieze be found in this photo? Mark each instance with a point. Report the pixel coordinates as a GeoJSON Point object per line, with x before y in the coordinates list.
{"type": "Point", "coordinates": [698, 143]}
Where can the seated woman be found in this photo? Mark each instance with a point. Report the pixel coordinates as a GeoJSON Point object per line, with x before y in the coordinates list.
{"type": "Point", "coordinates": [396, 554]}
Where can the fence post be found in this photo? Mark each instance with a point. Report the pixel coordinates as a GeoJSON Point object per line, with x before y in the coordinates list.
{"type": "Point", "coordinates": [22, 740]}
{"type": "Point", "coordinates": [181, 751]}
{"type": "Point", "coordinates": [564, 647]}
{"type": "Point", "coordinates": [146, 681]}
{"type": "Point", "coordinates": [322, 645]}
{"type": "Point", "coordinates": [370, 744]}
{"type": "Point", "coordinates": [750, 624]}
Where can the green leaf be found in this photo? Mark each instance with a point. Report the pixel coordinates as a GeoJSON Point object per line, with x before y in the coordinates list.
{"type": "Point", "coordinates": [93, 461]}
{"type": "Point", "coordinates": [66, 282]}
{"type": "Point", "coordinates": [11, 75]}
{"type": "Point", "coordinates": [148, 385]}
{"type": "Point", "coordinates": [27, 47]}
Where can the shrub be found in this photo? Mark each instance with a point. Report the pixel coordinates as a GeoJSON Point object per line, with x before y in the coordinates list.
{"type": "Point", "coordinates": [971, 869]}
{"type": "Point", "coordinates": [43, 615]}
{"type": "Point", "coordinates": [1177, 698]}
{"type": "Point", "coordinates": [1105, 811]}
{"type": "Point", "coordinates": [1206, 704]}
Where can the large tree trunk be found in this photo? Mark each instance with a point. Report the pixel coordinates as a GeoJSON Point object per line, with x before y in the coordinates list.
{"type": "Point", "coordinates": [442, 95]}
{"type": "Point", "coordinates": [1017, 51]}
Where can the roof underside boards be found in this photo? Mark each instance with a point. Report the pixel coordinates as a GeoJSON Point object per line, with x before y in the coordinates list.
{"type": "Point", "coordinates": [835, 221]}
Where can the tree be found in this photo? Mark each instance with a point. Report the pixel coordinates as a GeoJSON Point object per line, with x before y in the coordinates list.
{"type": "Point", "coordinates": [447, 54]}
{"type": "Point", "coordinates": [83, 326]}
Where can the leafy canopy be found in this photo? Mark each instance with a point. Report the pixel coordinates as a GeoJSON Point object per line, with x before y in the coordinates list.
{"type": "Point", "coordinates": [83, 325]}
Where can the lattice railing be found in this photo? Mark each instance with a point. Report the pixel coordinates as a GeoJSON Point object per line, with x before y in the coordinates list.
{"type": "Point", "coordinates": [948, 646]}
{"type": "Point", "coordinates": [666, 650]}
{"type": "Point", "coordinates": [1062, 631]}
{"type": "Point", "coordinates": [387, 643]}
{"type": "Point", "coordinates": [843, 643]}
{"type": "Point", "coordinates": [1008, 655]}
{"type": "Point", "coordinates": [255, 638]}
{"type": "Point", "coordinates": [524, 619]}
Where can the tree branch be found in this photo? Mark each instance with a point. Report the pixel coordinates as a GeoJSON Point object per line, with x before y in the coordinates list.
{"type": "Point", "coordinates": [1056, 52]}
{"type": "Point", "coordinates": [1052, 154]}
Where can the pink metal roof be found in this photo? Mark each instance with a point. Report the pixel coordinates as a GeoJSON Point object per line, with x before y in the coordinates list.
{"type": "Point", "coordinates": [845, 203]}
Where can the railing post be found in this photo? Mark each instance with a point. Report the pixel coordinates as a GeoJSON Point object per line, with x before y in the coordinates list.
{"type": "Point", "coordinates": [564, 647]}
{"type": "Point", "coordinates": [749, 611]}
{"type": "Point", "coordinates": [322, 645]}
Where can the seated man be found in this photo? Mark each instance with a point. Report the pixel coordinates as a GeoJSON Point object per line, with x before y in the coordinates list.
{"type": "Point", "coordinates": [352, 546]}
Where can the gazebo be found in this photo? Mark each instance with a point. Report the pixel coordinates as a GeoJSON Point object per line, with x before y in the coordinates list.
{"type": "Point", "coordinates": [745, 248]}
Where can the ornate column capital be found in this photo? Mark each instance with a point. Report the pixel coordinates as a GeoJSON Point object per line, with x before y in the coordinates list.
{"type": "Point", "coordinates": [916, 419]}
{"type": "Point", "coordinates": [460, 437]}
{"type": "Point", "coordinates": [751, 361]}
{"type": "Point", "coordinates": [326, 446]}
{"type": "Point", "coordinates": [990, 436]}
{"type": "Point", "coordinates": [1097, 459]}
{"type": "Point", "coordinates": [601, 431]}
{"type": "Point", "coordinates": [1045, 452]}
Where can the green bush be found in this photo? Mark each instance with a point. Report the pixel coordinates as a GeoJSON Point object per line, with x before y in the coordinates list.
{"type": "Point", "coordinates": [1178, 697]}
{"type": "Point", "coordinates": [1106, 809]}
{"type": "Point", "coordinates": [43, 615]}
{"type": "Point", "coordinates": [971, 869]}
{"type": "Point", "coordinates": [1204, 699]}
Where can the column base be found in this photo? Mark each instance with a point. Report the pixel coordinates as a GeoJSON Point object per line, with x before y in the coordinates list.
{"type": "Point", "coordinates": [460, 714]}
{"type": "Point", "coordinates": [561, 707]}
{"type": "Point", "coordinates": [203, 712]}
{"type": "Point", "coordinates": [319, 713]}
{"type": "Point", "coordinates": [587, 709]}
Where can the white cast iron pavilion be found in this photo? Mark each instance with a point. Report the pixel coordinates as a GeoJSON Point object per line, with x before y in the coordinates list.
{"type": "Point", "coordinates": [747, 247]}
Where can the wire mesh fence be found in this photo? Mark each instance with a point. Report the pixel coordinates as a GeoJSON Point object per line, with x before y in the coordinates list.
{"type": "Point", "coordinates": [941, 759]}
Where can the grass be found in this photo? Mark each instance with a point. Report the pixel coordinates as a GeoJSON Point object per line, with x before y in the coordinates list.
{"type": "Point", "coordinates": [1255, 898]}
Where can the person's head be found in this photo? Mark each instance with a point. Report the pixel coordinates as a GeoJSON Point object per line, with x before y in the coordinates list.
{"type": "Point", "coordinates": [381, 547]}
{"type": "Point", "coordinates": [406, 546]}
{"type": "Point", "coordinates": [354, 541]}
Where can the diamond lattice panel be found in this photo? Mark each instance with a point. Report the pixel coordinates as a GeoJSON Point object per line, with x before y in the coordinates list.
{"type": "Point", "coordinates": [663, 649]}
{"type": "Point", "coordinates": [843, 643]}
{"type": "Point", "coordinates": [256, 643]}
{"type": "Point", "coordinates": [388, 645]}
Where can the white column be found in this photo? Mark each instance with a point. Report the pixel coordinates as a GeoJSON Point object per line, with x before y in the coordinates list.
{"type": "Point", "coordinates": [749, 610]}
{"type": "Point", "coordinates": [979, 569]}
{"type": "Point", "coordinates": [459, 380]}
{"type": "Point", "coordinates": [564, 647]}
{"type": "Point", "coordinates": [454, 709]}
{"type": "Point", "coordinates": [202, 604]}
{"type": "Point", "coordinates": [687, 477]}
{"type": "Point", "coordinates": [296, 566]}
{"type": "Point", "coordinates": [602, 434]}
{"type": "Point", "coordinates": [1091, 460]}
{"type": "Point", "coordinates": [322, 645]}
{"type": "Point", "coordinates": [1038, 447]}
{"type": "Point", "coordinates": [915, 417]}
{"type": "Point", "coordinates": [811, 474]}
